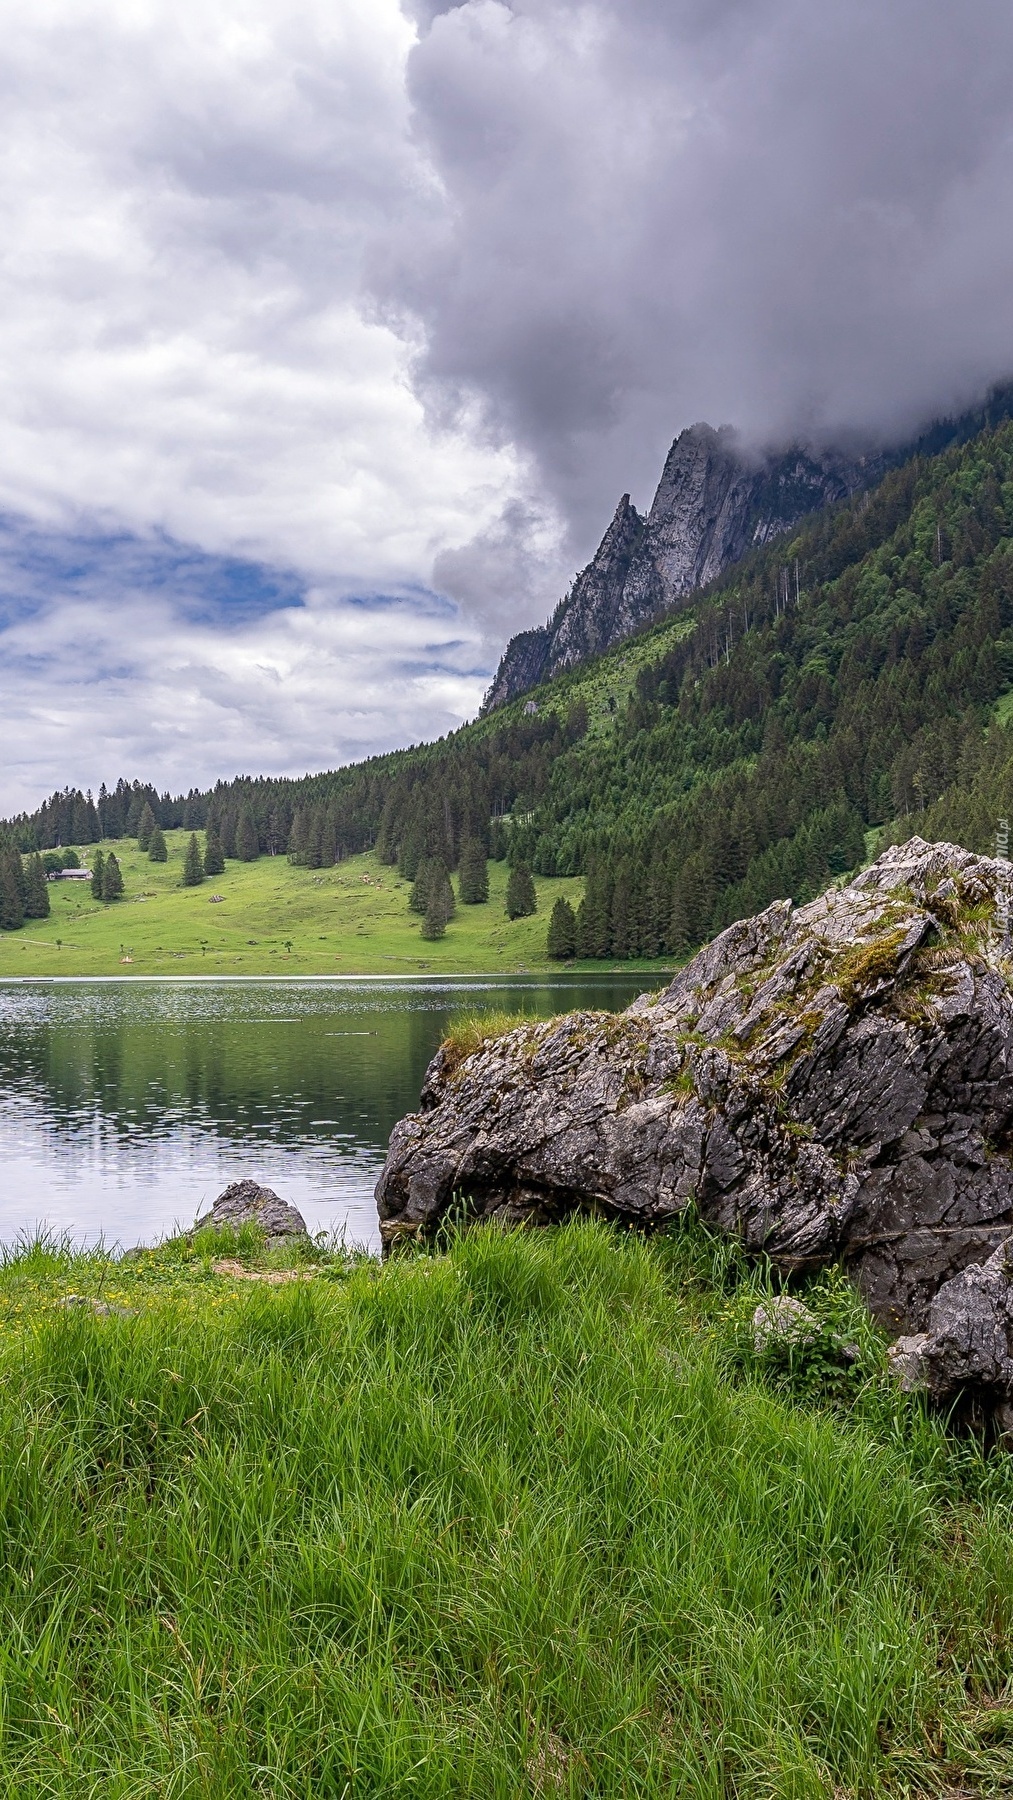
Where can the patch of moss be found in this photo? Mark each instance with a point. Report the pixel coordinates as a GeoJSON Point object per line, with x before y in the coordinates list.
{"type": "Point", "coordinates": [864, 966]}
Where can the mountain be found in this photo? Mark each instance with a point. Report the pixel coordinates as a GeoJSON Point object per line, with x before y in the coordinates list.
{"type": "Point", "coordinates": [746, 747]}
{"type": "Point", "coordinates": [714, 502]}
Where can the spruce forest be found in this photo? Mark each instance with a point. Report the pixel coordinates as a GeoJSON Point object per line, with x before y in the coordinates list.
{"type": "Point", "coordinates": [849, 679]}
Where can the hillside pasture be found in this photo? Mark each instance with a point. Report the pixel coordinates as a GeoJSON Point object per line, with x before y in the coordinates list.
{"type": "Point", "coordinates": [272, 919]}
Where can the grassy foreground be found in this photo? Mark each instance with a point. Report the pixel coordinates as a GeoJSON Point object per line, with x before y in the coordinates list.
{"type": "Point", "coordinates": [528, 1517]}
{"type": "Point", "coordinates": [274, 919]}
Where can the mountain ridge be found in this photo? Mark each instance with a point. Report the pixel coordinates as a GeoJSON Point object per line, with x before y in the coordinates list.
{"type": "Point", "coordinates": [714, 502]}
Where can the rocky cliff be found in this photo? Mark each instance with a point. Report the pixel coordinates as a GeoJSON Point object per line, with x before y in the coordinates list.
{"type": "Point", "coordinates": [829, 1083]}
{"type": "Point", "coordinates": [712, 505]}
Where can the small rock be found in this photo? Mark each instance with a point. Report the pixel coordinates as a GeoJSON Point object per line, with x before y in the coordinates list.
{"type": "Point", "coordinates": [906, 1358]}
{"type": "Point", "coordinates": [246, 1203]}
{"type": "Point", "coordinates": [103, 1309]}
{"type": "Point", "coordinates": [786, 1319]}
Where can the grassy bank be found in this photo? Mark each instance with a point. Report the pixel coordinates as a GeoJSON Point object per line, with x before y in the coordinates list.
{"type": "Point", "coordinates": [529, 1517]}
{"type": "Point", "coordinates": [273, 919]}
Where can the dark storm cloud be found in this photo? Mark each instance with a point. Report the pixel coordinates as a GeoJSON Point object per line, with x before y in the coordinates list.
{"type": "Point", "coordinates": [794, 217]}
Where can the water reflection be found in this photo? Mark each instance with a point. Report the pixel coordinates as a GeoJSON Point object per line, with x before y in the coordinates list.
{"type": "Point", "coordinates": [125, 1106]}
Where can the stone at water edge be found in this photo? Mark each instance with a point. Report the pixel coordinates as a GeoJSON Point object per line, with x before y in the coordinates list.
{"type": "Point", "coordinates": [246, 1203]}
{"type": "Point", "coordinates": [829, 1083]}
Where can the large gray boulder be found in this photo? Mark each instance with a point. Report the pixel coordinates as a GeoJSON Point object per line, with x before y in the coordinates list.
{"type": "Point", "coordinates": [829, 1083]}
{"type": "Point", "coordinates": [247, 1203]}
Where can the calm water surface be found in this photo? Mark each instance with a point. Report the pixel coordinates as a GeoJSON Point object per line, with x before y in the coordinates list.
{"type": "Point", "coordinates": [126, 1106]}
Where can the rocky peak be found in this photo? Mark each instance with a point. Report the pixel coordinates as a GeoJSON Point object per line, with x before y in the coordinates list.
{"type": "Point", "coordinates": [713, 503]}
{"type": "Point", "coordinates": [832, 1082]}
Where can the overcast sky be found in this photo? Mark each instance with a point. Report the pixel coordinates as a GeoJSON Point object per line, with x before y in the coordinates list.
{"type": "Point", "coordinates": [332, 330]}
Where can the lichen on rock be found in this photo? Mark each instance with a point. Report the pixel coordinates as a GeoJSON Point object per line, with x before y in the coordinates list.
{"type": "Point", "coordinates": [829, 1083]}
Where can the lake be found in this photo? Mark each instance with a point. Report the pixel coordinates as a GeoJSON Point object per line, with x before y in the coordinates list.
{"type": "Point", "coordinates": [126, 1106]}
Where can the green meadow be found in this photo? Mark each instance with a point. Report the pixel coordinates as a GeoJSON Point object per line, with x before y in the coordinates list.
{"type": "Point", "coordinates": [527, 1516]}
{"type": "Point", "coordinates": [273, 919]}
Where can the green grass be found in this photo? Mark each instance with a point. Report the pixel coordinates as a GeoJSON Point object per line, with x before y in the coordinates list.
{"type": "Point", "coordinates": [469, 1031]}
{"type": "Point", "coordinates": [349, 920]}
{"type": "Point", "coordinates": [528, 1517]}
{"type": "Point", "coordinates": [603, 682]}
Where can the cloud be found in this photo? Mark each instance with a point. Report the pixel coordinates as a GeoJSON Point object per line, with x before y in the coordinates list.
{"type": "Point", "coordinates": [332, 331]}
{"type": "Point", "coordinates": [222, 498]}
{"type": "Point", "coordinates": [786, 216]}
{"type": "Point", "coordinates": [186, 198]}
{"type": "Point", "coordinates": [124, 657]}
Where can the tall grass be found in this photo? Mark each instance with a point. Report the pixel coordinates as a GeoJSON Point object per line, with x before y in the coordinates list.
{"type": "Point", "coordinates": [519, 1519]}
{"type": "Point", "coordinates": [468, 1032]}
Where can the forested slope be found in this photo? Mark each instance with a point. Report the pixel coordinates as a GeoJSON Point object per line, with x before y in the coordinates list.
{"type": "Point", "coordinates": [841, 680]}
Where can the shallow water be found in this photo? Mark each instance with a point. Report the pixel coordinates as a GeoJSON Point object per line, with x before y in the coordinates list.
{"type": "Point", "coordinates": [126, 1106]}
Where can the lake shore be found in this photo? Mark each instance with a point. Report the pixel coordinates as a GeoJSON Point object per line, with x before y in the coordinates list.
{"type": "Point", "coordinates": [127, 1105]}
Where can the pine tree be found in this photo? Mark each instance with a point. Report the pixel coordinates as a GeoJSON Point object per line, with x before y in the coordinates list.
{"type": "Point", "coordinates": [440, 904]}
{"type": "Point", "coordinates": [313, 853]}
{"type": "Point", "coordinates": [418, 899]}
{"type": "Point", "coordinates": [112, 879]}
{"type": "Point", "coordinates": [193, 868]}
{"type": "Point", "coordinates": [214, 860]}
{"type": "Point", "coordinates": [135, 807]}
{"type": "Point", "coordinates": [620, 935]}
{"type": "Point", "coordinates": [576, 721]}
{"type": "Point", "coordinates": [297, 835]}
{"type": "Point", "coordinates": [247, 841]}
{"type": "Point", "coordinates": [412, 851]}
{"type": "Point", "coordinates": [434, 925]}
{"type": "Point", "coordinates": [111, 815]}
{"type": "Point", "coordinates": [157, 851]}
{"type": "Point", "coordinates": [36, 889]}
{"type": "Point", "coordinates": [80, 829]}
{"type": "Point", "coordinates": [145, 826]}
{"type": "Point", "coordinates": [12, 905]}
{"type": "Point", "coordinates": [521, 899]}
{"type": "Point", "coordinates": [97, 870]}
{"type": "Point", "coordinates": [473, 877]}
{"type": "Point", "coordinates": [561, 940]}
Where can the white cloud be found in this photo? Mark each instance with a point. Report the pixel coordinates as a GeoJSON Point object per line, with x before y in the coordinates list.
{"type": "Point", "coordinates": [783, 215]}
{"type": "Point", "coordinates": [102, 685]}
{"type": "Point", "coordinates": [190, 368]}
{"type": "Point", "coordinates": [186, 195]}
{"type": "Point", "coordinates": [387, 298]}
